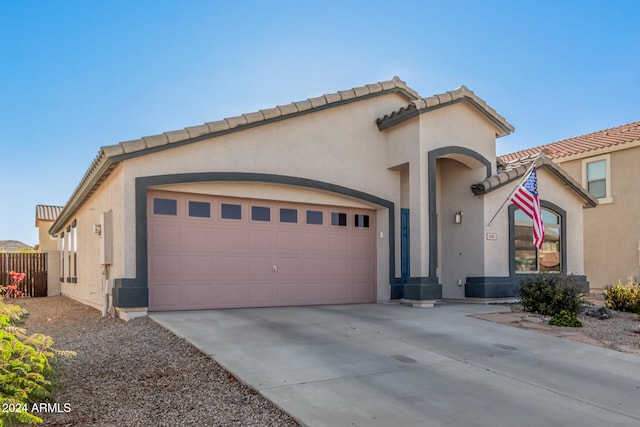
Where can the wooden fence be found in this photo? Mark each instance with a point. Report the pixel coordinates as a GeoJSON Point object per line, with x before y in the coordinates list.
{"type": "Point", "coordinates": [33, 265]}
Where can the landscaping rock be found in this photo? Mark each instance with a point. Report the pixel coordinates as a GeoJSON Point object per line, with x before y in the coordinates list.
{"type": "Point", "coordinates": [601, 313]}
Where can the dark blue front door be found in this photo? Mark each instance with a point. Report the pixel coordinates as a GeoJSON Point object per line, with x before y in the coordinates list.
{"type": "Point", "coordinates": [404, 244]}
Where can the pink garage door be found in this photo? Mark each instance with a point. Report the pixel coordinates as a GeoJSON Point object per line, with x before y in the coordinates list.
{"type": "Point", "coordinates": [219, 252]}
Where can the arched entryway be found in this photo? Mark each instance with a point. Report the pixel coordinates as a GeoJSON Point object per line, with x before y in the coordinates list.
{"type": "Point", "coordinates": [456, 217]}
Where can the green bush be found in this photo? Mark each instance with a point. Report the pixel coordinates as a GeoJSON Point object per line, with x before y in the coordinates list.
{"type": "Point", "coordinates": [26, 373]}
{"type": "Point", "coordinates": [623, 297]}
{"type": "Point", "coordinates": [565, 318]}
{"type": "Point", "coordinates": [549, 294]}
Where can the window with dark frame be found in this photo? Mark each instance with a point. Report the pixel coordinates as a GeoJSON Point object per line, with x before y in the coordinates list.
{"type": "Point", "coordinates": [230, 211]}
{"type": "Point", "coordinates": [339, 219]}
{"type": "Point", "coordinates": [528, 259]}
{"type": "Point", "coordinates": [199, 209]}
{"type": "Point", "coordinates": [314, 217]}
{"type": "Point", "coordinates": [288, 215]}
{"type": "Point", "coordinates": [361, 221]}
{"type": "Point", "coordinates": [260, 213]}
{"type": "Point", "coordinates": [165, 206]}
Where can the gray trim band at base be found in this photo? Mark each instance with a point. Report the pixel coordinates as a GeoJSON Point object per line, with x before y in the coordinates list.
{"type": "Point", "coordinates": [130, 293]}
{"type": "Point", "coordinates": [508, 287]}
{"type": "Point", "coordinates": [422, 288]}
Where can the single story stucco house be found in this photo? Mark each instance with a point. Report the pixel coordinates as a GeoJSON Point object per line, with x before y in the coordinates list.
{"type": "Point", "coordinates": [368, 194]}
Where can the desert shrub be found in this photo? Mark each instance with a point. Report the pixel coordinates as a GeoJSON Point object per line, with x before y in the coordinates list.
{"type": "Point", "coordinates": [550, 294]}
{"type": "Point", "coordinates": [565, 318]}
{"type": "Point", "coordinates": [26, 372]}
{"type": "Point", "coordinates": [623, 297]}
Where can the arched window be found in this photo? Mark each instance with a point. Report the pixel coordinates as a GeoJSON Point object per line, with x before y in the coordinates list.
{"type": "Point", "coordinates": [525, 257]}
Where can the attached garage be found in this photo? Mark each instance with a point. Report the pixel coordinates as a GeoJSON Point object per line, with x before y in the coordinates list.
{"type": "Point", "coordinates": [221, 252]}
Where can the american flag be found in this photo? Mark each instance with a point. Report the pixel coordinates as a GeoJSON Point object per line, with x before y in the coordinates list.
{"type": "Point", "coordinates": [526, 198]}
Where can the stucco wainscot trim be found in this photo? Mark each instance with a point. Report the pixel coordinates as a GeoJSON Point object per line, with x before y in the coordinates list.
{"type": "Point", "coordinates": [134, 292]}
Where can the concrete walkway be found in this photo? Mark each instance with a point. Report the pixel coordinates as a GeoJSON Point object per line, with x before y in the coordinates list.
{"type": "Point", "coordinates": [392, 365]}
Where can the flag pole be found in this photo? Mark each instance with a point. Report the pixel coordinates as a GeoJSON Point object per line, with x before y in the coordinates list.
{"type": "Point", "coordinates": [525, 176]}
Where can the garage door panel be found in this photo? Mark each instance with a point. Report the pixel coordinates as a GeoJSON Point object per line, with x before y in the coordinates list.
{"type": "Point", "coordinates": [261, 240]}
{"type": "Point", "coordinates": [288, 269]}
{"type": "Point", "coordinates": [362, 291]}
{"type": "Point", "coordinates": [198, 238]}
{"type": "Point", "coordinates": [195, 267]}
{"type": "Point", "coordinates": [289, 242]}
{"type": "Point", "coordinates": [231, 238]}
{"type": "Point", "coordinates": [261, 268]}
{"type": "Point", "coordinates": [315, 242]}
{"type": "Point", "coordinates": [232, 268]}
{"type": "Point", "coordinates": [338, 292]}
{"type": "Point", "coordinates": [262, 294]}
{"type": "Point", "coordinates": [164, 237]}
{"type": "Point", "coordinates": [164, 267]}
{"type": "Point", "coordinates": [339, 243]}
{"type": "Point", "coordinates": [197, 295]}
{"type": "Point", "coordinates": [361, 243]}
{"type": "Point", "coordinates": [231, 294]}
{"type": "Point", "coordinates": [164, 297]}
{"type": "Point", "coordinates": [338, 268]}
{"type": "Point", "coordinates": [362, 268]}
{"type": "Point", "coordinates": [290, 293]}
{"type": "Point", "coordinates": [211, 262]}
{"type": "Point", "coordinates": [315, 268]}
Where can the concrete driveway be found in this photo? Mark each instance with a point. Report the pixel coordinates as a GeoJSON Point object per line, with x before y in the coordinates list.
{"type": "Point", "coordinates": [392, 365]}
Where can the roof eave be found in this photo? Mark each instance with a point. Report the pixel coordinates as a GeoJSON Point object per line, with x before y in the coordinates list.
{"type": "Point", "coordinates": [435, 102]}
{"type": "Point", "coordinates": [98, 172]}
{"type": "Point", "coordinates": [590, 202]}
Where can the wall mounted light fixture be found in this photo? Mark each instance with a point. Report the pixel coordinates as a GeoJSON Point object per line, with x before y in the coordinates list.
{"type": "Point", "coordinates": [457, 218]}
{"type": "Point", "coordinates": [97, 228]}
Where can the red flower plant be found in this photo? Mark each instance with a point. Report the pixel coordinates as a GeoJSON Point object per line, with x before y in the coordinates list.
{"type": "Point", "coordinates": [12, 289]}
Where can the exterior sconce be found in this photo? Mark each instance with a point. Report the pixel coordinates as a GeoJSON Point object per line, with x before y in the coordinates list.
{"type": "Point", "coordinates": [457, 218]}
{"type": "Point", "coordinates": [97, 228]}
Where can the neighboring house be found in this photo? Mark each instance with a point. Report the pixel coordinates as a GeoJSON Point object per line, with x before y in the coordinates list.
{"type": "Point", "coordinates": [364, 195]}
{"type": "Point", "coordinates": [607, 163]}
{"type": "Point", "coordinates": [45, 215]}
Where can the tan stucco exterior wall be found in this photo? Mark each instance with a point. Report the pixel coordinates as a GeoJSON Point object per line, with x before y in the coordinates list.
{"type": "Point", "coordinates": [340, 145]}
{"type": "Point", "coordinates": [550, 190]}
{"type": "Point", "coordinates": [612, 230]}
{"type": "Point", "coordinates": [89, 288]}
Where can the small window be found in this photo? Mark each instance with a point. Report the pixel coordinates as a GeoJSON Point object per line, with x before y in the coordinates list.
{"type": "Point", "coordinates": [314, 217]}
{"type": "Point", "coordinates": [361, 221]}
{"type": "Point", "coordinates": [339, 219]}
{"type": "Point", "coordinates": [289, 215]}
{"type": "Point", "coordinates": [260, 213]}
{"type": "Point", "coordinates": [165, 207]}
{"type": "Point", "coordinates": [597, 178]}
{"type": "Point", "coordinates": [228, 211]}
{"type": "Point", "coordinates": [199, 209]}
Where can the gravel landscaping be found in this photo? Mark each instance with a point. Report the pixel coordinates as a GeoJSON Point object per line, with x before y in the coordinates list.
{"type": "Point", "coordinates": [138, 374]}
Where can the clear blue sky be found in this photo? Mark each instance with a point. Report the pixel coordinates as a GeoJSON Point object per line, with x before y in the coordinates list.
{"type": "Point", "coordinates": [77, 75]}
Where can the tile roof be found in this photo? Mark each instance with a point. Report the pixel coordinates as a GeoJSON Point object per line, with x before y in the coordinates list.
{"type": "Point", "coordinates": [109, 156]}
{"type": "Point", "coordinates": [422, 105]}
{"type": "Point", "coordinates": [47, 213]}
{"type": "Point", "coordinates": [260, 117]}
{"type": "Point", "coordinates": [508, 172]}
{"type": "Point", "coordinates": [583, 144]}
